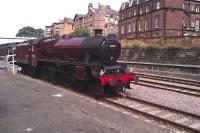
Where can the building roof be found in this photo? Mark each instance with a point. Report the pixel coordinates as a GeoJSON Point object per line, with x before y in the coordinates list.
{"type": "Point", "coordinates": [68, 20]}
{"type": "Point", "coordinates": [10, 40]}
{"type": "Point", "coordinates": [109, 11]}
{"type": "Point", "coordinates": [79, 16]}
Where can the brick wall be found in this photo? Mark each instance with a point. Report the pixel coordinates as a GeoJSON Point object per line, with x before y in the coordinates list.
{"type": "Point", "coordinates": [175, 41]}
{"type": "Point", "coordinates": [168, 56]}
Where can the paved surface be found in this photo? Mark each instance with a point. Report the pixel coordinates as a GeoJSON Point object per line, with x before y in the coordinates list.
{"type": "Point", "coordinates": [28, 105]}
{"type": "Point", "coordinates": [2, 64]}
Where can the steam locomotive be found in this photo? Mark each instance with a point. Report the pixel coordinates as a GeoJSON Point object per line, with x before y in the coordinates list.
{"type": "Point", "coordinates": [90, 61]}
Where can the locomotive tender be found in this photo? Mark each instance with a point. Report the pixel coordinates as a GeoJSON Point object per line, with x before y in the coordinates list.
{"type": "Point", "coordinates": [77, 60]}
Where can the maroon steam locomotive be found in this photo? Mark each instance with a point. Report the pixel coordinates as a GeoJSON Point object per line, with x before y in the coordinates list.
{"type": "Point", "coordinates": [77, 60]}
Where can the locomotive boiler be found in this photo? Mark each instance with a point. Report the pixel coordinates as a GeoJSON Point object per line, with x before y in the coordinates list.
{"type": "Point", "coordinates": [83, 49]}
{"type": "Point", "coordinates": [77, 60]}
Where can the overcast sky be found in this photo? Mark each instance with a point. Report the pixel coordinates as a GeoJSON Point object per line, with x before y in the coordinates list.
{"type": "Point", "coordinates": [16, 14]}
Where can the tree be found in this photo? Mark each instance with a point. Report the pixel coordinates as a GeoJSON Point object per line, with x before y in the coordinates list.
{"type": "Point", "coordinates": [55, 35]}
{"type": "Point", "coordinates": [30, 32]}
{"type": "Point", "coordinates": [81, 32]}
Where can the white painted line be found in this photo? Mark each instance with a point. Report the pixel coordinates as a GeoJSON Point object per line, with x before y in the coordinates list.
{"type": "Point", "coordinates": [143, 109]}
{"type": "Point", "coordinates": [197, 125]}
{"type": "Point", "coordinates": [127, 102]}
{"type": "Point", "coordinates": [149, 121]}
{"type": "Point", "coordinates": [185, 90]}
{"type": "Point", "coordinates": [136, 116]}
{"type": "Point", "coordinates": [182, 120]}
{"type": "Point", "coordinates": [155, 112]}
{"type": "Point", "coordinates": [29, 129]}
{"type": "Point", "coordinates": [134, 105]}
{"type": "Point", "coordinates": [58, 95]}
{"type": "Point", "coordinates": [167, 115]}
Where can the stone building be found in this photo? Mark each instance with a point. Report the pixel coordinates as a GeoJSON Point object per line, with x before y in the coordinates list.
{"type": "Point", "coordinates": [159, 18]}
{"type": "Point", "coordinates": [102, 17]}
{"type": "Point", "coordinates": [65, 26]}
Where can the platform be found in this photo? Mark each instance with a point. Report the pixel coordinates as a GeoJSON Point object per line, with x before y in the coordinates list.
{"type": "Point", "coordinates": [30, 105]}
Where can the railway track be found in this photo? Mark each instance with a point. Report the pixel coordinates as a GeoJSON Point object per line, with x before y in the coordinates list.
{"type": "Point", "coordinates": [184, 86]}
{"type": "Point", "coordinates": [180, 119]}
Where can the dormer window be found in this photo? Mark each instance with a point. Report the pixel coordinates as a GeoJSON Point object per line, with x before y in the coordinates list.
{"type": "Point", "coordinates": [158, 4]}
{"type": "Point", "coordinates": [147, 8]}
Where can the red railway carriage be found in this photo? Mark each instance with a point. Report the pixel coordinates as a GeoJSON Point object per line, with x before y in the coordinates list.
{"type": "Point", "coordinates": [87, 60]}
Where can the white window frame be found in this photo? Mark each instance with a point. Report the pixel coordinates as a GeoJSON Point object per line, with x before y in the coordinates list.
{"type": "Point", "coordinates": [139, 25]}
{"type": "Point", "coordinates": [184, 22]}
{"type": "Point", "coordinates": [197, 24]}
{"type": "Point", "coordinates": [129, 14]}
{"type": "Point", "coordinates": [157, 22]}
{"type": "Point", "coordinates": [184, 6]}
{"type": "Point", "coordinates": [134, 26]}
{"type": "Point", "coordinates": [147, 8]}
{"type": "Point", "coordinates": [129, 28]}
{"type": "Point", "coordinates": [158, 4]}
{"type": "Point", "coordinates": [141, 11]}
{"type": "Point", "coordinates": [197, 8]}
{"type": "Point", "coordinates": [122, 29]}
{"type": "Point", "coordinates": [134, 12]}
{"type": "Point", "coordinates": [146, 26]}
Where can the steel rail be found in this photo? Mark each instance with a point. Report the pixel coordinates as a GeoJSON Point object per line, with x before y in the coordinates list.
{"type": "Point", "coordinates": [156, 117]}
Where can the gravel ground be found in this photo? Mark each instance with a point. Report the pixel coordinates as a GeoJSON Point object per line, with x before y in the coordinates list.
{"type": "Point", "coordinates": [167, 98]}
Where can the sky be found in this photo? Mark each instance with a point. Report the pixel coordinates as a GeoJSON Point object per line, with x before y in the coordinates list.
{"type": "Point", "coordinates": [15, 14]}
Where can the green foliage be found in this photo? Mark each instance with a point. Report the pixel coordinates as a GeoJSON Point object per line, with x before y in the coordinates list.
{"type": "Point", "coordinates": [81, 32]}
{"type": "Point", "coordinates": [55, 35]}
{"type": "Point", "coordinates": [30, 32]}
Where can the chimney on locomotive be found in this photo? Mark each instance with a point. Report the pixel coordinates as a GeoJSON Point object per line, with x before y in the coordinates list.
{"type": "Point", "coordinates": [98, 32]}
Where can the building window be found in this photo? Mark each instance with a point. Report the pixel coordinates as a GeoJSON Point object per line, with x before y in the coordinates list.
{"type": "Point", "coordinates": [157, 22]}
{"type": "Point", "coordinates": [140, 10]}
{"type": "Point", "coordinates": [129, 14]}
{"type": "Point", "coordinates": [147, 8]}
{"type": "Point", "coordinates": [197, 25]}
{"type": "Point", "coordinates": [191, 8]}
{"type": "Point", "coordinates": [134, 27]}
{"type": "Point", "coordinates": [139, 25]}
{"type": "Point", "coordinates": [184, 22]}
{"type": "Point", "coordinates": [122, 30]}
{"type": "Point", "coordinates": [122, 16]}
{"type": "Point", "coordinates": [129, 28]}
{"type": "Point", "coordinates": [192, 24]}
{"type": "Point", "coordinates": [146, 24]}
{"type": "Point", "coordinates": [197, 8]}
{"type": "Point", "coordinates": [184, 6]}
{"type": "Point", "coordinates": [135, 12]}
{"type": "Point", "coordinates": [158, 4]}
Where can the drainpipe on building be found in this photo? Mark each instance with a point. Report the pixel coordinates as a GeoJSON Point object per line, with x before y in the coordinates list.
{"type": "Point", "coordinates": [165, 19]}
